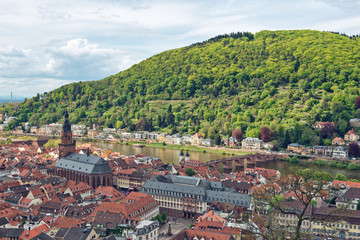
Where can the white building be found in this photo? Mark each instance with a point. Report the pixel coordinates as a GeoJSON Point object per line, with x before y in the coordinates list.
{"type": "Point", "coordinates": [207, 142]}
{"type": "Point", "coordinates": [252, 143]}
{"type": "Point", "coordinates": [340, 152]}
{"type": "Point", "coordinates": [78, 129]}
{"type": "Point", "coordinates": [146, 230]}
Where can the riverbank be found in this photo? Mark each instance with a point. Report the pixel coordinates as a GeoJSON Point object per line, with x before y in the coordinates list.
{"type": "Point", "coordinates": [211, 153]}
{"type": "Point", "coordinates": [203, 149]}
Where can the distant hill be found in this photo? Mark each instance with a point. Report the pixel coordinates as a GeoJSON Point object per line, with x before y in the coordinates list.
{"type": "Point", "coordinates": [285, 80]}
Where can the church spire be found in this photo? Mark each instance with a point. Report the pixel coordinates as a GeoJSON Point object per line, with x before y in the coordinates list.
{"type": "Point", "coordinates": [67, 124]}
{"type": "Point", "coordinates": [67, 145]}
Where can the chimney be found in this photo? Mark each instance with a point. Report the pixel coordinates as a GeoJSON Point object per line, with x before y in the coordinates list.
{"type": "Point", "coordinates": [87, 152]}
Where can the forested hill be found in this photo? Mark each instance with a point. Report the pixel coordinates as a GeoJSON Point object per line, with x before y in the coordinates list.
{"type": "Point", "coordinates": [280, 79]}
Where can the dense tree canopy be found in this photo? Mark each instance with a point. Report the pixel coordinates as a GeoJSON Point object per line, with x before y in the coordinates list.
{"type": "Point", "coordinates": [354, 150]}
{"type": "Point", "coordinates": [285, 80]}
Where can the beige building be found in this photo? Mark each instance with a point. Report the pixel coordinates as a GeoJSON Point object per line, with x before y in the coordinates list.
{"type": "Point", "coordinates": [295, 147]}
{"type": "Point", "coordinates": [323, 222]}
{"type": "Point", "coordinates": [351, 136]}
{"type": "Point", "coordinates": [336, 223]}
{"type": "Point", "coordinates": [252, 143]}
{"type": "Point", "coordinates": [349, 199]}
{"type": "Point", "coordinates": [196, 139]}
{"type": "Point", "coordinates": [123, 177]}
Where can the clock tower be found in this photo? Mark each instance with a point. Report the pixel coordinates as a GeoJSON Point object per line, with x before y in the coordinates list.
{"type": "Point", "coordinates": [67, 145]}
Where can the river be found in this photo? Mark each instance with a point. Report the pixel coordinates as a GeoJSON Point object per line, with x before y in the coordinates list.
{"type": "Point", "coordinates": [172, 156]}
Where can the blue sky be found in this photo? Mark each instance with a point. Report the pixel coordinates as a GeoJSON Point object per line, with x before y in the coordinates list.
{"type": "Point", "coordinates": [46, 44]}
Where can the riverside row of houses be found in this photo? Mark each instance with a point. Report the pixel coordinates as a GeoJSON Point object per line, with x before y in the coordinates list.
{"type": "Point", "coordinates": [197, 139]}
{"type": "Point", "coordinates": [338, 148]}
{"type": "Point", "coordinates": [336, 152]}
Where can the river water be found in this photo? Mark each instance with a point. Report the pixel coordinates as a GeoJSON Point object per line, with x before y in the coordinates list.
{"type": "Point", "coordinates": [172, 156]}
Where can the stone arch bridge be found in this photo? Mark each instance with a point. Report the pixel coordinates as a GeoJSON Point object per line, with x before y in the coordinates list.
{"type": "Point", "coordinates": [244, 161]}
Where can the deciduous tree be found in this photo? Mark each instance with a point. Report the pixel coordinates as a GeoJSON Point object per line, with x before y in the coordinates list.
{"type": "Point", "coordinates": [190, 172]}
{"type": "Point", "coordinates": [237, 134]}
{"type": "Point", "coordinates": [354, 150]}
{"type": "Point", "coordinates": [266, 134]}
{"type": "Point", "coordinates": [357, 102]}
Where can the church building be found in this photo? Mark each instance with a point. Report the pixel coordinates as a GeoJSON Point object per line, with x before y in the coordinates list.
{"type": "Point", "coordinates": [92, 170]}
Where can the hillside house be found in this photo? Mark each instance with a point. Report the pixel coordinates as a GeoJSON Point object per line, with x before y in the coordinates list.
{"type": "Point", "coordinates": [340, 152]}
{"type": "Point", "coordinates": [355, 122]}
{"type": "Point", "coordinates": [321, 125]}
{"type": "Point", "coordinates": [338, 141]}
{"type": "Point", "coordinates": [295, 147]}
{"type": "Point", "coordinates": [196, 139]}
{"type": "Point", "coordinates": [322, 150]}
{"type": "Point", "coordinates": [207, 142]}
{"type": "Point", "coordinates": [231, 142]}
{"type": "Point", "coordinates": [252, 143]}
{"type": "Point", "coordinates": [351, 136]}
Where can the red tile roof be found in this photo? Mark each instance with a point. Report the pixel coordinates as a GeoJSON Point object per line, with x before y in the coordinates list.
{"type": "Point", "coordinates": [201, 234]}
{"type": "Point", "coordinates": [33, 233]}
{"type": "Point", "coordinates": [346, 183]}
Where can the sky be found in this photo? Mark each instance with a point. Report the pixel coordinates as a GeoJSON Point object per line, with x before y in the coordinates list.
{"type": "Point", "coordinates": [45, 44]}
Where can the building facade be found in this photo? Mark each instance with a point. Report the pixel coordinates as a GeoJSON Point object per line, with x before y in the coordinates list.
{"type": "Point", "coordinates": [92, 170]}
{"type": "Point", "coordinates": [184, 196]}
{"type": "Point", "coordinates": [252, 143]}
{"type": "Point", "coordinates": [146, 230]}
{"type": "Point", "coordinates": [351, 136]}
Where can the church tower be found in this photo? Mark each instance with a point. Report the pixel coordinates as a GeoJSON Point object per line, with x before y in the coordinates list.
{"type": "Point", "coordinates": [187, 156]}
{"type": "Point", "coordinates": [181, 156]}
{"type": "Point", "coordinates": [67, 145]}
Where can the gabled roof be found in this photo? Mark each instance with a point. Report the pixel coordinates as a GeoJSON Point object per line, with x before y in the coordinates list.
{"type": "Point", "coordinates": [3, 221]}
{"type": "Point", "coordinates": [34, 232]}
{"type": "Point", "coordinates": [351, 132]}
{"type": "Point", "coordinates": [347, 183]}
{"type": "Point", "coordinates": [198, 135]}
{"type": "Point", "coordinates": [83, 163]}
{"type": "Point", "coordinates": [42, 236]}
{"type": "Point", "coordinates": [211, 216]}
{"type": "Point", "coordinates": [201, 234]}
{"type": "Point", "coordinates": [76, 233]}
{"type": "Point", "coordinates": [349, 195]}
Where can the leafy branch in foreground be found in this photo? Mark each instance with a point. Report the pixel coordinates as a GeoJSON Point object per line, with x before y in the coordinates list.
{"type": "Point", "coordinates": [292, 203]}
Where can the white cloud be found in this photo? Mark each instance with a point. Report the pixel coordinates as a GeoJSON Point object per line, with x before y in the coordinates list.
{"type": "Point", "coordinates": [82, 60]}
{"type": "Point", "coordinates": [76, 60]}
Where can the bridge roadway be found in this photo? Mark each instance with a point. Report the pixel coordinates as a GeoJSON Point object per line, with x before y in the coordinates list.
{"type": "Point", "coordinates": [244, 161]}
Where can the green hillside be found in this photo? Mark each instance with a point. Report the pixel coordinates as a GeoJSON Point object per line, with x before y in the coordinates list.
{"type": "Point", "coordinates": [285, 80]}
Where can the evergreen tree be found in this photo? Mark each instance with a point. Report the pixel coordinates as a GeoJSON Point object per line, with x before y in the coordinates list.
{"type": "Point", "coordinates": [159, 121]}
{"type": "Point", "coordinates": [217, 139]}
{"type": "Point", "coordinates": [287, 139]}
{"type": "Point", "coordinates": [170, 118]}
